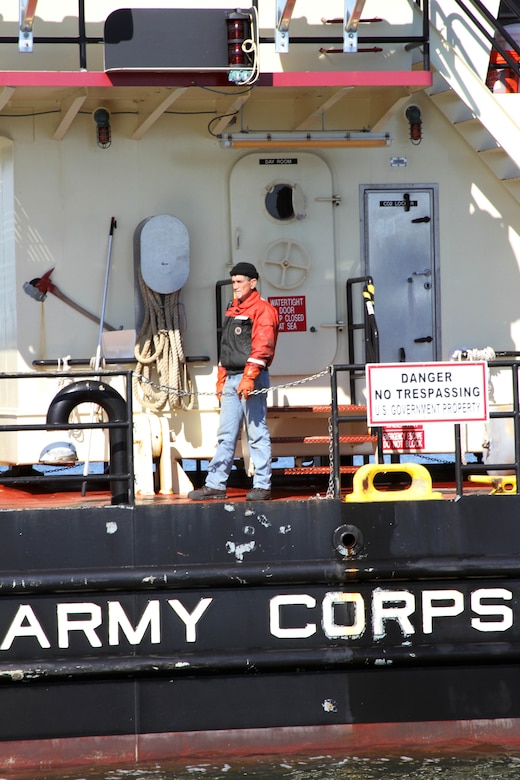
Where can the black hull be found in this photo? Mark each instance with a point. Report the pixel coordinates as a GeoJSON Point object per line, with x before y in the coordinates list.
{"type": "Point", "coordinates": [300, 637]}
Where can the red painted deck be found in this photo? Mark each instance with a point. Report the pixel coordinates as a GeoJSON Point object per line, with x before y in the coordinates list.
{"type": "Point", "coordinates": [299, 490]}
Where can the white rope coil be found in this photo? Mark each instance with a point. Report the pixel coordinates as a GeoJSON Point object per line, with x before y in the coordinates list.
{"type": "Point", "coordinates": [486, 353]}
{"type": "Point", "coordinates": [160, 354]}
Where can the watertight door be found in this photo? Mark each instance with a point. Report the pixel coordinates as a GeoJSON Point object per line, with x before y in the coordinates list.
{"type": "Point", "coordinates": [399, 247]}
{"type": "Point", "coordinates": [282, 221]}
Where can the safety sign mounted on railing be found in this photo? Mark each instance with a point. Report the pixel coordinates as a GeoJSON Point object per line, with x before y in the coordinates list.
{"type": "Point", "coordinates": [427, 392]}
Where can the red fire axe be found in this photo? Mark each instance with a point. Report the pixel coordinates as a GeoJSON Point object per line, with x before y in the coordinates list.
{"type": "Point", "coordinates": [39, 287]}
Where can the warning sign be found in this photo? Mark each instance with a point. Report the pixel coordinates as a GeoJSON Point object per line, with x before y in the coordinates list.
{"type": "Point", "coordinates": [403, 437]}
{"type": "Point", "coordinates": [401, 393]}
{"type": "Point", "coordinates": [291, 312]}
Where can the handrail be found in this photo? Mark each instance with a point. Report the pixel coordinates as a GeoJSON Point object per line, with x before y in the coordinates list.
{"type": "Point", "coordinates": [498, 27]}
{"type": "Point", "coordinates": [461, 468]}
{"type": "Point", "coordinates": [121, 477]}
{"type": "Point", "coordinates": [337, 419]}
{"type": "Point", "coordinates": [514, 413]}
{"type": "Point", "coordinates": [82, 39]}
{"type": "Point", "coordinates": [219, 310]}
{"type": "Point", "coordinates": [409, 41]}
{"type": "Point", "coordinates": [369, 326]}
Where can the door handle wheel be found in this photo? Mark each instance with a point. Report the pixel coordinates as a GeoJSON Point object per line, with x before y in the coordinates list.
{"type": "Point", "coordinates": [284, 257]}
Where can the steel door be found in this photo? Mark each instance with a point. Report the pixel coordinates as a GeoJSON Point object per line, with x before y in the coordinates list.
{"type": "Point", "coordinates": [399, 240]}
{"type": "Point", "coordinates": [282, 221]}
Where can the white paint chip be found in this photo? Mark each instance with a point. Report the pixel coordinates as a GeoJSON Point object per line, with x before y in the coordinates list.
{"type": "Point", "coordinates": [239, 549]}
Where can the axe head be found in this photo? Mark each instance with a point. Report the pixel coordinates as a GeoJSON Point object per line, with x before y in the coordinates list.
{"type": "Point", "coordinates": [31, 288]}
{"type": "Point", "coordinates": [39, 287]}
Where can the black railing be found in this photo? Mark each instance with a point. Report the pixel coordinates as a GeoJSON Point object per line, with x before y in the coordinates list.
{"type": "Point", "coordinates": [368, 325]}
{"type": "Point", "coordinates": [512, 413]}
{"type": "Point", "coordinates": [220, 309]}
{"type": "Point", "coordinates": [83, 40]}
{"type": "Point", "coordinates": [410, 41]}
{"type": "Point", "coordinates": [461, 468]}
{"type": "Point", "coordinates": [337, 419]}
{"type": "Point", "coordinates": [497, 27]}
{"type": "Point", "coordinates": [121, 475]}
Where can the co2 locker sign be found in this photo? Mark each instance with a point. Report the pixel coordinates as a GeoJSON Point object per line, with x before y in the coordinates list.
{"type": "Point", "coordinates": [427, 392]}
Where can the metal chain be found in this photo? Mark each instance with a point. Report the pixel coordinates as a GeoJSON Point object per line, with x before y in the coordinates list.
{"type": "Point", "coordinates": [175, 391]}
{"type": "Point", "coordinates": [330, 486]}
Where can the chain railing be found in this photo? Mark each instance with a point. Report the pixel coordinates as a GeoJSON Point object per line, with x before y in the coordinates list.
{"type": "Point", "coordinates": [121, 476]}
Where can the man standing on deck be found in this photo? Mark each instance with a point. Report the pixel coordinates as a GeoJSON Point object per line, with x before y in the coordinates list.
{"type": "Point", "coordinates": [246, 351]}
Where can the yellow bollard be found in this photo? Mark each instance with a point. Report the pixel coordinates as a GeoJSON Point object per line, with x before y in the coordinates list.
{"type": "Point", "coordinates": [506, 484]}
{"type": "Point", "coordinates": [419, 490]}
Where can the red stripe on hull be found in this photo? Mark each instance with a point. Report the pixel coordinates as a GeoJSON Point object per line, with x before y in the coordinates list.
{"type": "Point", "coordinates": [366, 739]}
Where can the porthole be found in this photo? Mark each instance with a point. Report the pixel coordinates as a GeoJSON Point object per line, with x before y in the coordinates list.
{"type": "Point", "coordinates": [285, 202]}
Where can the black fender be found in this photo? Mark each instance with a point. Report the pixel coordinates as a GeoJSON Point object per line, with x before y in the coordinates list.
{"type": "Point", "coordinates": [102, 394]}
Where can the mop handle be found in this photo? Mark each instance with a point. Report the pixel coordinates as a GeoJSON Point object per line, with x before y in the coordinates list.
{"type": "Point", "coordinates": [113, 225]}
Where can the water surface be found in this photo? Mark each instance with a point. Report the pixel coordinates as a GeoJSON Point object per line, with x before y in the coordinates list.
{"type": "Point", "coordinates": [317, 767]}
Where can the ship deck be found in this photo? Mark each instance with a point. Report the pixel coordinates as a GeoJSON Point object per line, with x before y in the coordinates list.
{"type": "Point", "coordinates": [284, 489]}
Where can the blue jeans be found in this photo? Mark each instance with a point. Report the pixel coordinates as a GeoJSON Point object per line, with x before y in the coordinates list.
{"type": "Point", "coordinates": [232, 411]}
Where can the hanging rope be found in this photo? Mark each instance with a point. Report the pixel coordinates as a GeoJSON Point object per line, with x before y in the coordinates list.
{"type": "Point", "coordinates": [159, 353]}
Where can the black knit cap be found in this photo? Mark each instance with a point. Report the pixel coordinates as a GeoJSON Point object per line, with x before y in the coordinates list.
{"type": "Point", "coordinates": [244, 269]}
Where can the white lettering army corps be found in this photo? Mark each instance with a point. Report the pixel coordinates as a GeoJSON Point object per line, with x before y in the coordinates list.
{"type": "Point", "coordinates": [290, 616]}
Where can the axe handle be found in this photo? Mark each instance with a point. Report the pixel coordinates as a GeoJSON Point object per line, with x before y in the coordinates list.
{"type": "Point", "coordinates": [55, 291]}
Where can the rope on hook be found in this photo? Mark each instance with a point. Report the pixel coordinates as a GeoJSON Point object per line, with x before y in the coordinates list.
{"type": "Point", "coordinates": [159, 353]}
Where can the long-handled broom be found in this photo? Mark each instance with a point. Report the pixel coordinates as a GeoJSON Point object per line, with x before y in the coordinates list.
{"type": "Point", "coordinates": [97, 362]}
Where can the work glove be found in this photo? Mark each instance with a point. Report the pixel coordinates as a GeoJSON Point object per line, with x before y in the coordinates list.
{"type": "Point", "coordinates": [221, 380]}
{"type": "Point", "coordinates": [247, 383]}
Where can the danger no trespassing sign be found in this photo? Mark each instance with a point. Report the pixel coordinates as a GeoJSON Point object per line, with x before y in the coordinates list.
{"type": "Point", "coordinates": [427, 392]}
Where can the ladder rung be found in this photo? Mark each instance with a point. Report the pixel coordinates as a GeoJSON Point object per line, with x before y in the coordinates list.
{"type": "Point", "coordinates": [322, 439]}
{"type": "Point", "coordinates": [314, 470]}
{"type": "Point", "coordinates": [345, 409]}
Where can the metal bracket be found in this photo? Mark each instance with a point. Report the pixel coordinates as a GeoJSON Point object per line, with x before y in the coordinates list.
{"type": "Point", "coordinates": [284, 9]}
{"type": "Point", "coordinates": [25, 32]}
{"type": "Point", "coordinates": [353, 11]}
{"type": "Point", "coordinates": [335, 200]}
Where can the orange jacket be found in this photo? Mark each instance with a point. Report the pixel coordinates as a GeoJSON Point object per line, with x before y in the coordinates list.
{"type": "Point", "coordinates": [249, 334]}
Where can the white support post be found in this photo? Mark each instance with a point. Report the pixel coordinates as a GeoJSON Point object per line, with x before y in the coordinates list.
{"type": "Point", "coordinates": [25, 33]}
{"type": "Point", "coordinates": [353, 11]}
{"type": "Point", "coordinates": [284, 9]}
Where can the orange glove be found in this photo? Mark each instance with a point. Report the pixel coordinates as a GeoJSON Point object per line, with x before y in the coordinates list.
{"type": "Point", "coordinates": [221, 380]}
{"type": "Point", "coordinates": [247, 383]}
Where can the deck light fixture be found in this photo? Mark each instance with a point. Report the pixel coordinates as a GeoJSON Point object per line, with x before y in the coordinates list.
{"type": "Point", "coordinates": [413, 114]}
{"type": "Point", "coordinates": [103, 130]}
{"type": "Point", "coordinates": [304, 140]}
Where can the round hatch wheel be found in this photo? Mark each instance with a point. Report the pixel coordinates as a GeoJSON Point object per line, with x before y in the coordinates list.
{"type": "Point", "coordinates": [286, 264]}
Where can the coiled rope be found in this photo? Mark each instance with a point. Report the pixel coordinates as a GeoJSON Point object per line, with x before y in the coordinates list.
{"type": "Point", "coordinates": [159, 353]}
{"type": "Point", "coordinates": [484, 353]}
